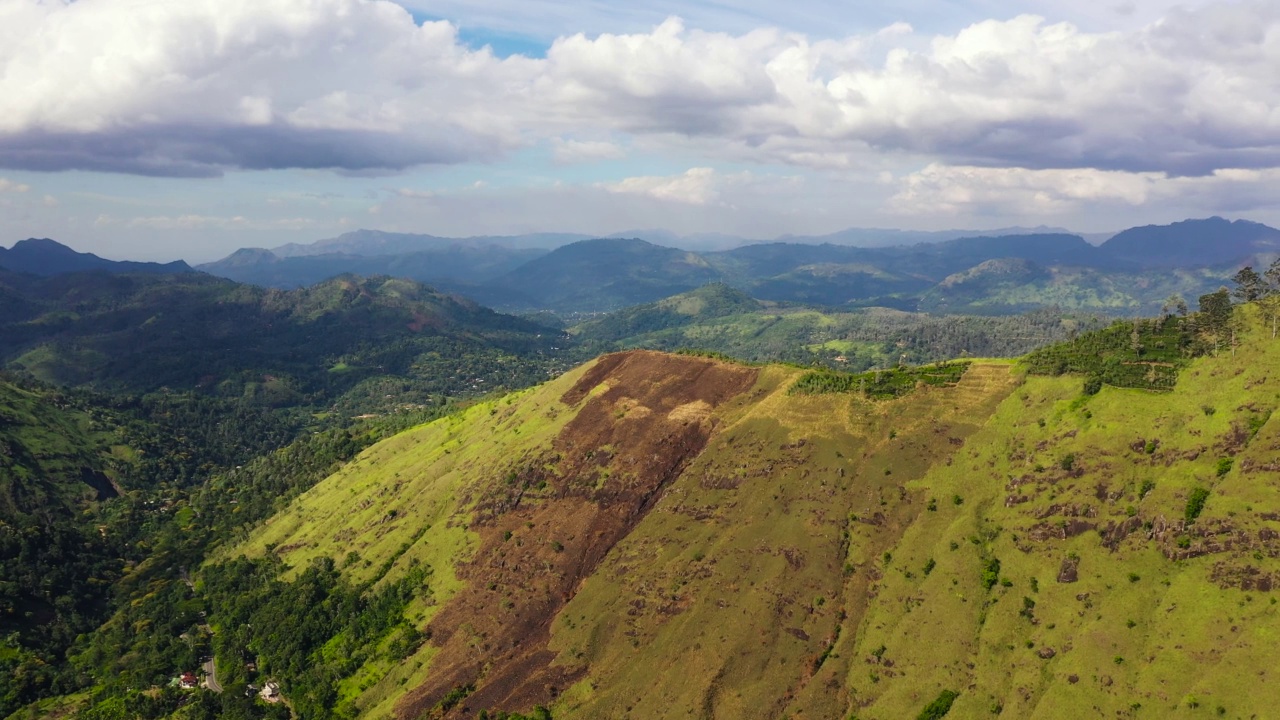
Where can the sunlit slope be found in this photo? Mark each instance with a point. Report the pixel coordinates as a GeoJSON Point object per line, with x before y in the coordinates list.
{"type": "Point", "coordinates": [1106, 601]}
{"type": "Point", "coordinates": [661, 536]}
{"type": "Point", "coordinates": [727, 600]}
{"type": "Point", "coordinates": [579, 531]}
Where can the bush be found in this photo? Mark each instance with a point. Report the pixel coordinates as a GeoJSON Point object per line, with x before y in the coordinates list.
{"type": "Point", "coordinates": [1195, 504]}
{"type": "Point", "coordinates": [990, 573]}
{"type": "Point", "coordinates": [939, 707]}
{"type": "Point", "coordinates": [1224, 465]}
{"type": "Point", "coordinates": [1092, 385]}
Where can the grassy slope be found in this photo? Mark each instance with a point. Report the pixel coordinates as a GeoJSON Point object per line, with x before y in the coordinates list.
{"type": "Point", "coordinates": [1192, 642]}
{"type": "Point", "coordinates": [45, 449]}
{"type": "Point", "coordinates": [762, 571]}
{"type": "Point", "coordinates": [413, 481]}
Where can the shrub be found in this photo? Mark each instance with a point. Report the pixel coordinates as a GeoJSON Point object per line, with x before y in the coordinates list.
{"type": "Point", "coordinates": [1092, 385]}
{"type": "Point", "coordinates": [990, 573]}
{"type": "Point", "coordinates": [939, 707]}
{"type": "Point", "coordinates": [1224, 465]}
{"type": "Point", "coordinates": [1195, 504]}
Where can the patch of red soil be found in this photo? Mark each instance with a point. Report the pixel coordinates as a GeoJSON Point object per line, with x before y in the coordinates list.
{"type": "Point", "coordinates": [550, 520]}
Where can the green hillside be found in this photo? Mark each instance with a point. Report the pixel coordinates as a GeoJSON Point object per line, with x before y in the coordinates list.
{"type": "Point", "coordinates": [720, 319]}
{"type": "Point", "coordinates": [1088, 531]}
{"type": "Point", "coordinates": [349, 340]}
{"type": "Point", "coordinates": [1001, 535]}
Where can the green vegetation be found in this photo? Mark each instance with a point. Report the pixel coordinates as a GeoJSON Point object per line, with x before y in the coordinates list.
{"type": "Point", "coordinates": [881, 384]}
{"type": "Point", "coordinates": [1144, 354]}
{"type": "Point", "coordinates": [558, 550]}
{"type": "Point", "coordinates": [1195, 504]}
{"type": "Point", "coordinates": [350, 346]}
{"type": "Point", "coordinates": [729, 323]}
{"type": "Point", "coordinates": [939, 707]}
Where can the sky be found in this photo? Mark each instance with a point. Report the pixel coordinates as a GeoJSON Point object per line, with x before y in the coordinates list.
{"type": "Point", "coordinates": [166, 129]}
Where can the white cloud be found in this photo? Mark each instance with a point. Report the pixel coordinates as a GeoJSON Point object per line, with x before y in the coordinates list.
{"type": "Point", "coordinates": [696, 186]}
{"type": "Point", "coordinates": [960, 190]}
{"type": "Point", "coordinates": [200, 86]}
{"type": "Point", "coordinates": [11, 186]}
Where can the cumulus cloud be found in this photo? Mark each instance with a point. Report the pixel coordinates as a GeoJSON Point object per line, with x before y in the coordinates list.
{"type": "Point", "coordinates": [696, 186]}
{"type": "Point", "coordinates": [197, 87]}
{"type": "Point", "coordinates": [956, 190]}
{"type": "Point", "coordinates": [7, 185]}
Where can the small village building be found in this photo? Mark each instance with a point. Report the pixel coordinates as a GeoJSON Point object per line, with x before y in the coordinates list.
{"type": "Point", "coordinates": [189, 681]}
{"type": "Point", "coordinates": [271, 692]}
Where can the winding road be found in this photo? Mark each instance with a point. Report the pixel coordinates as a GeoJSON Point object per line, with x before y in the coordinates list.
{"type": "Point", "coordinates": [211, 676]}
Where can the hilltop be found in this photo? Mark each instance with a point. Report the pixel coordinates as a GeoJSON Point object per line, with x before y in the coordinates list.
{"type": "Point", "coordinates": [786, 538]}
{"type": "Point", "coordinates": [47, 257]}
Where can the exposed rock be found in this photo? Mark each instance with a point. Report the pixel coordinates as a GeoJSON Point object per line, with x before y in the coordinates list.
{"type": "Point", "coordinates": [1070, 570]}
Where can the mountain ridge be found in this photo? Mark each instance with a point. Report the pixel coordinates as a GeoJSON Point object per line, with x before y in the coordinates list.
{"type": "Point", "coordinates": [585, 276]}
{"type": "Point", "coordinates": [42, 256]}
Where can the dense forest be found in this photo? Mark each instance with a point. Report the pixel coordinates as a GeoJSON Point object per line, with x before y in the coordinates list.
{"type": "Point", "coordinates": [721, 319]}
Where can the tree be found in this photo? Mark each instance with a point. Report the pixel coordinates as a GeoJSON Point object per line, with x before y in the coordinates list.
{"type": "Point", "coordinates": [1273, 276]}
{"type": "Point", "coordinates": [1173, 305]}
{"type": "Point", "coordinates": [1214, 321]}
{"type": "Point", "coordinates": [1271, 300]}
{"type": "Point", "coordinates": [1250, 286]}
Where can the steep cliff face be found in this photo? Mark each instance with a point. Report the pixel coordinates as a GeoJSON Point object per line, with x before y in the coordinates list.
{"type": "Point", "coordinates": [658, 536]}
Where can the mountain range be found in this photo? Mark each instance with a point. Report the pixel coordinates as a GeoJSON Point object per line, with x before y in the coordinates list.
{"type": "Point", "coordinates": [1133, 271]}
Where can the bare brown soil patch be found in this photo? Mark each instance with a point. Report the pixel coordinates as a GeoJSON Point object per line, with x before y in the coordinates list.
{"type": "Point", "coordinates": [549, 522]}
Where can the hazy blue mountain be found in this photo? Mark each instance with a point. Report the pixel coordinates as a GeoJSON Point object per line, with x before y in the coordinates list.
{"type": "Point", "coordinates": [604, 274]}
{"type": "Point", "coordinates": [47, 257]}
{"type": "Point", "coordinates": [888, 237]}
{"type": "Point", "coordinates": [1193, 243]}
{"type": "Point", "coordinates": [377, 242]}
{"type": "Point", "coordinates": [447, 265]}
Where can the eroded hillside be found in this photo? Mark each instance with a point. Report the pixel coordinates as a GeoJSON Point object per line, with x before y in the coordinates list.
{"type": "Point", "coordinates": [659, 536]}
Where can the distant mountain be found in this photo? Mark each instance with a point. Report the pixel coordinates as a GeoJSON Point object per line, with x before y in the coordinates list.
{"type": "Point", "coordinates": [48, 257]}
{"type": "Point", "coordinates": [378, 243]}
{"type": "Point", "coordinates": [886, 237]}
{"type": "Point", "coordinates": [605, 274]}
{"type": "Point", "coordinates": [1193, 243]}
{"type": "Point", "coordinates": [857, 267]}
{"type": "Point", "coordinates": [456, 265]}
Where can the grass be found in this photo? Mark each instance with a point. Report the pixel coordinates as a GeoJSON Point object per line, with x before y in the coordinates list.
{"type": "Point", "coordinates": [403, 502]}
{"type": "Point", "coordinates": [784, 571]}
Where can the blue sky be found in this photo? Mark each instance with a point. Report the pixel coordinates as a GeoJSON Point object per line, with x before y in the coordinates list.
{"type": "Point", "coordinates": [162, 129]}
